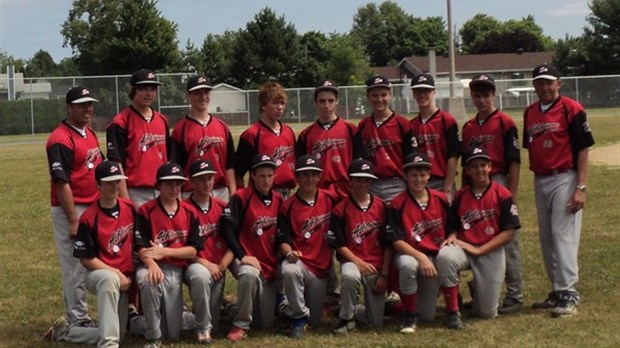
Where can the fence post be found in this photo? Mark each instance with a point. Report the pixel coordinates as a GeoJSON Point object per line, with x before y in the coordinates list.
{"type": "Point", "coordinates": [31, 111]}
{"type": "Point", "coordinates": [298, 106]}
{"type": "Point", "coordinates": [346, 101]}
{"type": "Point", "coordinates": [117, 98]}
{"type": "Point", "coordinates": [577, 89]}
{"type": "Point", "coordinates": [247, 100]}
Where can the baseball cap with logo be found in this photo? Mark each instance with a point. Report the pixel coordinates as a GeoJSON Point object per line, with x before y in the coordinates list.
{"type": "Point", "coordinates": [417, 159]}
{"type": "Point", "coordinates": [198, 82]}
{"type": "Point", "coordinates": [170, 171]}
{"type": "Point", "coordinates": [476, 152]}
{"type": "Point", "coordinates": [377, 81]}
{"type": "Point", "coordinates": [307, 162]}
{"type": "Point", "coordinates": [144, 77]}
{"type": "Point", "coordinates": [545, 71]}
{"type": "Point", "coordinates": [361, 168]}
{"type": "Point", "coordinates": [483, 80]}
{"type": "Point", "coordinates": [78, 95]}
{"type": "Point", "coordinates": [423, 81]}
{"type": "Point", "coordinates": [108, 171]}
{"type": "Point", "coordinates": [201, 167]}
{"type": "Point", "coordinates": [263, 160]}
{"type": "Point", "coordinates": [326, 85]}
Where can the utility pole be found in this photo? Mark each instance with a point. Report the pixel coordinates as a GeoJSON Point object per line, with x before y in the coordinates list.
{"type": "Point", "coordinates": [451, 51]}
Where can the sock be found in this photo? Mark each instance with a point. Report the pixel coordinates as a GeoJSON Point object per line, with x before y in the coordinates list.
{"type": "Point", "coordinates": [409, 302]}
{"type": "Point", "coordinates": [451, 296]}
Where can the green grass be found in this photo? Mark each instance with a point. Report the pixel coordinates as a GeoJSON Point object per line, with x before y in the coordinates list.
{"type": "Point", "coordinates": [30, 288]}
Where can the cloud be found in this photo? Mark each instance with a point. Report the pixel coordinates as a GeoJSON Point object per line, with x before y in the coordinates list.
{"type": "Point", "coordinates": [572, 9]}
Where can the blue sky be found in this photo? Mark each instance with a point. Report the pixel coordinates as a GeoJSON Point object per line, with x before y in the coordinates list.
{"type": "Point", "coordinates": [29, 25]}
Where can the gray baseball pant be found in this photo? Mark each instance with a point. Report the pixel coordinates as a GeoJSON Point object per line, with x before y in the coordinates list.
{"type": "Point", "coordinates": [369, 313]}
{"type": "Point", "coordinates": [256, 299]}
{"type": "Point", "coordinates": [387, 188]}
{"type": "Point", "coordinates": [413, 282]}
{"type": "Point", "coordinates": [207, 296]}
{"type": "Point", "coordinates": [141, 195]}
{"type": "Point", "coordinates": [305, 291]}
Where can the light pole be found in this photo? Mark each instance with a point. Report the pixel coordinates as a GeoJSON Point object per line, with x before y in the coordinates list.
{"type": "Point", "coordinates": [451, 50]}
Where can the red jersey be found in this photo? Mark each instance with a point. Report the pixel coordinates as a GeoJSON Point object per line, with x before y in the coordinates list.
{"type": "Point", "coordinates": [170, 231]}
{"type": "Point", "coordinates": [139, 145]}
{"type": "Point", "coordinates": [214, 246]}
{"type": "Point", "coordinates": [478, 220]}
{"type": "Point", "coordinates": [385, 145]}
{"type": "Point", "coordinates": [107, 234]}
{"type": "Point", "coordinates": [438, 137]}
{"type": "Point", "coordinates": [192, 141]}
{"type": "Point", "coordinates": [360, 230]}
{"type": "Point", "coordinates": [72, 157]}
{"type": "Point", "coordinates": [305, 228]}
{"type": "Point", "coordinates": [554, 137]}
{"type": "Point", "coordinates": [332, 145]}
{"type": "Point", "coordinates": [424, 228]}
{"type": "Point", "coordinates": [249, 224]}
{"type": "Point", "coordinates": [260, 139]}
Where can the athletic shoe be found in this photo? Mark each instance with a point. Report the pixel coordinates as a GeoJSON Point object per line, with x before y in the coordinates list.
{"type": "Point", "coordinates": [204, 337]}
{"type": "Point", "coordinates": [392, 297]}
{"type": "Point", "coordinates": [409, 325]}
{"type": "Point", "coordinates": [344, 327]}
{"type": "Point", "coordinates": [510, 305]}
{"type": "Point", "coordinates": [86, 323]}
{"type": "Point", "coordinates": [153, 344]}
{"type": "Point", "coordinates": [566, 306]}
{"type": "Point", "coordinates": [550, 302]}
{"type": "Point", "coordinates": [281, 305]}
{"type": "Point", "coordinates": [298, 328]}
{"type": "Point", "coordinates": [454, 321]}
{"type": "Point", "coordinates": [236, 334]}
{"type": "Point", "coordinates": [60, 327]}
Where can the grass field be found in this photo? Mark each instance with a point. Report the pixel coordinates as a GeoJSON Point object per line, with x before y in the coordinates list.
{"type": "Point", "coordinates": [30, 288]}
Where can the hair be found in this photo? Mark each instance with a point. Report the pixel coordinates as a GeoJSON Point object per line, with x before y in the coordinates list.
{"type": "Point", "coordinates": [335, 92]}
{"type": "Point", "coordinates": [271, 90]}
{"type": "Point", "coordinates": [482, 88]}
{"type": "Point", "coordinates": [134, 88]}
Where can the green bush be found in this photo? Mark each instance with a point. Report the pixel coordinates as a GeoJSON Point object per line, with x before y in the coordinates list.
{"type": "Point", "coordinates": [15, 116]}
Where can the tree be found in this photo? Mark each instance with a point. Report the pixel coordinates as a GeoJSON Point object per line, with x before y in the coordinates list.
{"type": "Point", "coordinates": [120, 36]}
{"type": "Point", "coordinates": [217, 54]}
{"type": "Point", "coordinates": [474, 31]}
{"type": "Point", "coordinates": [602, 38]}
{"type": "Point", "coordinates": [41, 64]}
{"type": "Point", "coordinates": [346, 64]}
{"type": "Point", "coordinates": [314, 58]}
{"type": "Point", "coordinates": [570, 56]}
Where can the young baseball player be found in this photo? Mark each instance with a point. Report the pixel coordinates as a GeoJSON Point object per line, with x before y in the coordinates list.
{"type": "Point", "coordinates": [356, 233]}
{"type": "Point", "coordinates": [384, 138]}
{"type": "Point", "coordinates": [137, 138]}
{"type": "Point", "coordinates": [303, 223]}
{"type": "Point", "coordinates": [435, 133]}
{"type": "Point", "coordinates": [557, 136]}
{"type": "Point", "coordinates": [330, 140]}
{"type": "Point", "coordinates": [485, 219]}
{"type": "Point", "coordinates": [269, 136]}
{"type": "Point", "coordinates": [417, 220]}
{"type": "Point", "coordinates": [73, 154]}
{"type": "Point", "coordinates": [248, 226]}
{"type": "Point", "coordinates": [200, 135]}
{"type": "Point", "coordinates": [497, 133]}
{"type": "Point", "coordinates": [166, 238]}
{"type": "Point", "coordinates": [207, 272]}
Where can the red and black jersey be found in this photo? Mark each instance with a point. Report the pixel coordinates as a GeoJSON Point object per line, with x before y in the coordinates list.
{"type": "Point", "coordinates": [360, 230]}
{"type": "Point", "coordinates": [107, 234]}
{"type": "Point", "coordinates": [191, 141]}
{"type": "Point", "coordinates": [72, 157]}
{"type": "Point", "coordinates": [424, 228]}
{"type": "Point", "coordinates": [249, 224]}
{"type": "Point", "coordinates": [153, 224]}
{"type": "Point", "coordinates": [478, 220]}
{"type": "Point", "coordinates": [260, 139]}
{"type": "Point", "coordinates": [139, 145]}
{"type": "Point", "coordinates": [498, 135]}
{"type": "Point", "coordinates": [209, 229]}
{"type": "Point", "coordinates": [304, 227]}
{"type": "Point", "coordinates": [555, 137]}
{"type": "Point", "coordinates": [438, 137]}
{"type": "Point", "coordinates": [332, 145]}
{"type": "Point", "coordinates": [386, 145]}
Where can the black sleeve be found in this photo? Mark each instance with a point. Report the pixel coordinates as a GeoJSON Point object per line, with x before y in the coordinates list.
{"type": "Point", "coordinates": [336, 237]}
{"type": "Point", "coordinates": [116, 143]}
{"type": "Point", "coordinates": [245, 152]}
{"type": "Point", "coordinates": [177, 153]}
{"type": "Point", "coordinates": [511, 147]}
{"type": "Point", "coordinates": [452, 141]}
{"type": "Point", "coordinates": [85, 245]}
{"type": "Point", "coordinates": [231, 158]}
{"type": "Point", "coordinates": [285, 230]}
{"type": "Point", "coordinates": [525, 137]}
{"type": "Point", "coordinates": [194, 239]}
{"type": "Point", "coordinates": [300, 146]}
{"type": "Point", "coordinates": [407, 143]}
{"type": "Point", "coordinates": [143, 233]}
{"type": "Point", "coordinates": [449, 218]}
{"type": "Point", "coordinates": [580, 133]}
{"type": "Point", "coordinates": [359, 150]}
{"type": "Point", "coordinates": [453, 218]}
{"type": "Point", "coordinates": [60, 160]}
{"type": "Point", "coordinates": [509, 216]}
{"type": "Point", "coordinates": [230, 225]}
{"type": "Point", "coordinates": [394, 227]}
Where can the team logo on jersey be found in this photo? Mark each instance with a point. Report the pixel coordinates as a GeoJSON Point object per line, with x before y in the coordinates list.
{"type": "Point", "coordinates": [207, 230]}
{"type": "Point", "coordinates": [539, 129]}
{"type": "Point", "coordinates": [513, 210]}
{"type": "Point", "coordinates": [263, 223]}
{"type": "Point", "coordinates": [118, 237]}
{"type": "Point", "coordinates": [169, 237]}
{"type": "Point", "coordinates": [422, 228]}
{"type": "Point", "coordinates": [92, 156]}
{"type": "Point", "coordinates": [57, 166]}
{"type": "Point", "coordinates": [375, 144]}
{"type": "Point", "coordinates": [206, 143]}
{"type": "Point", "coordinates": [281, 153]}
{"type": "Point", "coordinates": [322, 146]}
{"type": "Point", "coordinates": [311, 225]}
{"type": "Point", "coordinates": [149, 139]}
{"type": "Point", "coordinates": [427, 139]}
{"type": "Point", "coordinates": [481, 140]}
{"type": "Point", "coordinates": [472, 217]}
{"type": "Point", "coordinates": [365, 229]}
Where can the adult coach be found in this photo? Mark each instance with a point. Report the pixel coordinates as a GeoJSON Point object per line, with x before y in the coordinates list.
{"type": "Point", "coordinates": [557, 136]}
{"type": "Point", "coordinates": [137, 138]}
{"type": "Point", "coordinates": [73, 154]}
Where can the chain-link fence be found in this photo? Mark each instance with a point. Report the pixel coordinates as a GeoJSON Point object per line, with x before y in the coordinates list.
{"type": "Point", "coordinates": [38, 105]}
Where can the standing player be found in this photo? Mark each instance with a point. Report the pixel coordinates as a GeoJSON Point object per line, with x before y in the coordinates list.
{"type": "Point", "coordinates": [557, 136]}
{"type": "Point", "coordinates": [207, 273]}
{"type": "Point", "coordinates": [303, 223]}
{"type": "Point", "coordinates": [269, 136]}
{"type": "Point", "coordinates": [384, 138]}
{"type": "Point", "coordinates": [330, 140]}
{"type": "Point", "coordinates": [200, 135]}
{"type": "Point", "coordinates": [137, 138]}
{"type": "Point", "coordinates": [436, 134]}
{"type": "Point", "coordinates": [497, 133]}
{"type": "Point", "coordinates": [357, 228]}
{"type": "Point", "coordinates": [72, 155]}
{"type": "Point", "coordinates": [248, 226]}
{"type": "Point", "coordinates": [485, 219]}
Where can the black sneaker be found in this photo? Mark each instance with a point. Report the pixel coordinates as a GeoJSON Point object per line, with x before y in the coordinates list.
{"type": "Point", "coordinates": [344, 327]}
{"type": "Point", "coordinates": [510, 305]}
{"type": "Point", "coordinates": [566, 305]}
{"type": "Point", "coordinates": [409, 325]}
{"type": "Point", "coordinates": [298, 328]}
{"type": "Point", "coordinates": [550, 302]}
{"type": "Point", "coordinates": [454, 321]}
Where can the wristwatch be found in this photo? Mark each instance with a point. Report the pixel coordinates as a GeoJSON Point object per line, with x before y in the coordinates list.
{"type": "Point", "coordinates": [581, 188]}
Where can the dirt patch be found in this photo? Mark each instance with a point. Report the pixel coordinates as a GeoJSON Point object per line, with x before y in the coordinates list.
{"type": "Point", "coordinates": [607, 155]}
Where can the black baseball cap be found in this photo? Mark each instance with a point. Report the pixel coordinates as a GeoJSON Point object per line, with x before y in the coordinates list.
{"type": "Point", "coordinates": [483, 80]}
{"type": "Point", "coordinates": [417, 159]}
{"type": "Point", "coordinates": [201, 167]}
{"type": "Point", "coordinates": [306, 163]}
{"type": "Point", "coordinates": [144, 77]}
{"type": "Point", "coordinates": [361, 168]}
{"type": "Point", "coordinates": [423, 81]}
{"type": "Point", "coordinates": [78, 95]}
{"type": "Point", "coordinates": [108, 171]}
{"type": "Point", "coordinates": [198, 82]}
{"type": "Point", "coordinates": [377, 81]}
{"type": "Point", "coordinates": [326, 85]}
{"type": "Point", "coordinates": [170, 171]}
{"type": "Point", "coordinates": [476, 152]}
{"type": "Point", "coordinates": [263, 160]}
{"type": "Point", "coordinates": [545, 71]}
